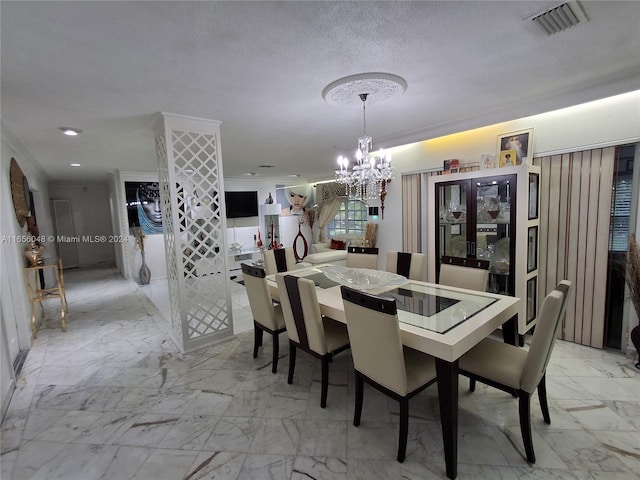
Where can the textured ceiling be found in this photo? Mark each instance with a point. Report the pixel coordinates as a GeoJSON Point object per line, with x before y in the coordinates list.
{"type": "Point", "coordinates": [107, 68]}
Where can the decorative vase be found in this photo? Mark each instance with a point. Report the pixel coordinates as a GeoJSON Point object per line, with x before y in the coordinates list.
{"type": "Point", "coordinates": [34, 252]}
{"type": "Point", "coordinates": [145, 273]}
{"type": "Point", "coordinates": [269, 199]}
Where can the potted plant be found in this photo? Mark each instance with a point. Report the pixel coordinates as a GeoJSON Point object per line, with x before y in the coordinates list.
{"type": "Point", "coordinates": [632, 277]}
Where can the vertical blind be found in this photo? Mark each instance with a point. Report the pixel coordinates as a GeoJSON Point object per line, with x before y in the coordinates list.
{"type": "Point", "coordinates": [620, 213]}
{"type": "Point", "coordinates": [575, 209]}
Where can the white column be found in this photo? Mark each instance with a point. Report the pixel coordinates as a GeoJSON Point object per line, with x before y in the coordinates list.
{"type": "Point", "coordinates": [192, 193]}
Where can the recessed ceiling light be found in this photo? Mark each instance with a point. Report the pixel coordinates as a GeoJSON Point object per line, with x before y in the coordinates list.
{"type": "Point", "coordinates": [251, 174]}
{"type": "Point", "coordinates": [75, 165]}
{"type": "Point", "coordinates": [71, 132]}
{"type": "Point", "coordinates": [294, 175]}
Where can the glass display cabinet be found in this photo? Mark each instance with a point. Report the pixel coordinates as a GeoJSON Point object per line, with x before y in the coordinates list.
{"type": "Point", "coordinates": [489, 215]}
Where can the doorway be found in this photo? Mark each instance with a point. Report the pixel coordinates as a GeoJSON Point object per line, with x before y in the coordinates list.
{"type": "Point", "coordinates": [622, 199]}
{"type": "Point", "coordinates": [65, 232]}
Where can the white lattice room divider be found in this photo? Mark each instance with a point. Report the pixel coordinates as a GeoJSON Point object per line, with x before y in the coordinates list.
{"type": "Point", "coordinates": [192, 193]}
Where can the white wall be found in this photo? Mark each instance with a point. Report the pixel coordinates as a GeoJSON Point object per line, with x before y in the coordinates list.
{"type": "Point", "coordinates": [91, 218]}
{"type": "Point", "coordinates": [611, 121]}
{"type": "Point", "coordinates": [242, 230]}
{"type": "Point", "coordinates": [16, 314]}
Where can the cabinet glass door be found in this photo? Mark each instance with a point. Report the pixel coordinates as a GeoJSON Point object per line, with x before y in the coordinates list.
{"type": "Point", "coordinates": [494, 227]}
{"type": "Point", "coordinates": [452, 211]}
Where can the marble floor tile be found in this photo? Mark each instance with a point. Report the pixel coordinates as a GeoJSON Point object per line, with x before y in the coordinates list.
{"type": "Point", "coordinates": [190, 432]}
{"type": "Point", "coordinates": [234, 434]}
{"type": "Point", "coordinates": [114, 399]}
{"type": "Point", "coordinates": [320, 468]}
{"type": "Point", "coordinates": [216, 466]}
{"type": "Point", "coordinates": [266, 467]}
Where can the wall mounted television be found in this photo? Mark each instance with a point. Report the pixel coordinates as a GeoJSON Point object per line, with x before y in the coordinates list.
{"type": "Point", "coordinates": [241, 204]}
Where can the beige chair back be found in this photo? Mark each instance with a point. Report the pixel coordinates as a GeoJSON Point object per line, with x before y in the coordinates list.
{"type": "Point", "coordinates": [464, 273]}
{"type": "Point", "coordinates": [362, 257]}
{"type": "Point", "coordinates": [301, 312]}
{"type": "Point", "coordinates": [410, 265]}
{"type": "Point", "coordinates": [549, 321]}
{"type": "Point", "coordinates": [259, 296]}
{"type": "Point", "coordinates": [280, 260]}
{"type": "Point", "coordinates": [373, 328]}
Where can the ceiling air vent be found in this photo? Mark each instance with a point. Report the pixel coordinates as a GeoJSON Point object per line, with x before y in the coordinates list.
{"type": "Point", "coordinates": [560, 18]}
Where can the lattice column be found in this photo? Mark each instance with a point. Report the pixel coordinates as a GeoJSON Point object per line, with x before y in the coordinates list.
{"type": "Point", "coordinates": [191, 189]}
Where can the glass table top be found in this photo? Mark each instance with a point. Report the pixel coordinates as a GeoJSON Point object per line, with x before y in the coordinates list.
{"type": "Point", "coordinates": [434, 308]}
{"type": "Point", "coordinates": [429, 306]}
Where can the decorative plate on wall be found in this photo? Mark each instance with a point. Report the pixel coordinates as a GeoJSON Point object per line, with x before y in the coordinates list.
{"type": "Point", "coordinates": [19, 192]}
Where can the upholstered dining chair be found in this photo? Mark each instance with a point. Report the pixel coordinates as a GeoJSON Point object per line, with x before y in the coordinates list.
{"type": "Point", "coordinates": [410, 265]}
{"type": "Point", "coordinates": [510, 368]}
{"type": "Point", "coordinates": [308, 329]}
{"type": "Point", "coordinates": [279, 260]}
{"type": "Point", "coordinates": [464, 273]}
{"type": "Point", "coordinates": [380, 359]}
{"type": "Point", "coordinates": [267, 317]}
{"type": "Point", "coordinates": [362, 257]}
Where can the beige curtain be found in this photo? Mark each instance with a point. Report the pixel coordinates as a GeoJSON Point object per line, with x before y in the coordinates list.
{"type": "Point", "coordinates": [327, 212]}
{"type": "Point", "coordinates": [329, 197]}
{"type": "Point", "coordinates": [575, 208]}
{"type": "Point", "coordinates": [411, 213]}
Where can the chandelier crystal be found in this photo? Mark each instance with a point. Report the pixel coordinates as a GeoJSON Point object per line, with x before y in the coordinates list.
{"type": "Point", "coordinates": [369, 176]}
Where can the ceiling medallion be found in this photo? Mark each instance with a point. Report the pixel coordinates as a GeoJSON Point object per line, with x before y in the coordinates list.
{"type": "Point", "coordinates": [367, 179]}
{"type": "Point", "coordinates": [379, 87]}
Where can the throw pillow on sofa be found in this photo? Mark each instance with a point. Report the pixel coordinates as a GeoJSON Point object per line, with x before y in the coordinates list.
{"type": "Point", "coordinates": [338, 244]}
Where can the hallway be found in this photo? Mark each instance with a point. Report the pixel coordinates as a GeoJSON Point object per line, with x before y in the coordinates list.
{"type": "Point", "coordinates": [112, 398]}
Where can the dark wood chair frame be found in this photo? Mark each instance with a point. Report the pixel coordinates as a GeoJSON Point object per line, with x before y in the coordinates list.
{"type": "Point", "coordinates": [303, 344]}
{"type": "Point", "coordinates": [384, 305]}
{"type": "Point", "coordinates": [403, 400]}
{"type": "Point", "coordinates": [258, 328]}
{"type": "Point", "coordinates": [524, 399]}
{"type": "Point", "coordinates": [524, 407]}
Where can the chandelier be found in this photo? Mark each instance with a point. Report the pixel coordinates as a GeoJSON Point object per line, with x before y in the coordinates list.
{"type": "Point", "coordinates": [368, 178]}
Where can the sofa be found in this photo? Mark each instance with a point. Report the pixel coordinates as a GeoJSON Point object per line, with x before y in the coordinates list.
{"type": "Point", "coordinates": [333, 251]}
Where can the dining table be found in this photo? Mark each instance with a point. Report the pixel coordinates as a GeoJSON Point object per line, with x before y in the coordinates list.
{"type": "Point", "coordinates": [442, 321]}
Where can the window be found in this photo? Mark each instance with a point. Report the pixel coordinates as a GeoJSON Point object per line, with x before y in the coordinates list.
{"type": "Point", "coordinates": [350, 219]}
{"type": "Point", "coordinates": [622, 200]}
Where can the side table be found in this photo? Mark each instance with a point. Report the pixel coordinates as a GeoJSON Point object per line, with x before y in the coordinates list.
{"type": "Point", "coordinates": [37, 293]}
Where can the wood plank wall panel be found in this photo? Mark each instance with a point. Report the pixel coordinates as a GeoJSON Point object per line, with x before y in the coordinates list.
{"type": "Point", "coordinates": [575, 205]}
{"type": "Point", "coordinates": [607, 162]}
{"type": "Point", "coordinates": [591, 183]}
{"type": "Point", "coordinates": [554, 222]}
{"type": "Point", "coordinates": [582, 241]}
{"type": "Point", "coordinates": [570, 224]}
{"type": "Point", "coordinates": [411, 214]}
{"type": "Point", "coordinates": [574, 235]}
{"type": "Point", "coordinates": [543, 233]}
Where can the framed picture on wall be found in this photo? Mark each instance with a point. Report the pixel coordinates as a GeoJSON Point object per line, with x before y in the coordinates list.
{"type": "Point", "coordinates": [534, 180]}
{"type": "Point", "coordinates": [143, 206]}
{"type": "Point", "coordinates": [532, 249]}
{"type": "Point", "coordinates": [532, 289]}
{"type": "Point", "coordinates": [515, 147]}
{"type": "Point", "coordinates": [295, 199]}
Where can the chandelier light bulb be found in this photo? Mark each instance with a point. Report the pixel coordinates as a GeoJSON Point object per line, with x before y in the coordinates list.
{"type": "Point", "coordinates": [368, 178]}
